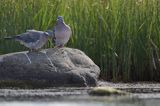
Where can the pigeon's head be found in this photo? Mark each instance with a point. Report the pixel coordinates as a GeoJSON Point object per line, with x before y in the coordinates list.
{"type": "Point", "coordinates": [59, 19]}
{"type": "Point", "coordinates": [49, 33]}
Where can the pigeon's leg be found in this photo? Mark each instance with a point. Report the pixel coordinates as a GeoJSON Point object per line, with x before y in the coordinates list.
{"type": "Point", "coordinates": [60, 46]}
{"type": "Point", "coordinates": [37, 50]}
{"type": "Point", "coordinates": [30, 50]}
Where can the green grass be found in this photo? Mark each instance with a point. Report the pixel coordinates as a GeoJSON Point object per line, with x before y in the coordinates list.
{"type": "Point", "coordinates": [121, 36]}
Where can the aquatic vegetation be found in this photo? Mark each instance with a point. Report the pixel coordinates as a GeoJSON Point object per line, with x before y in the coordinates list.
{"type": "Point", "coordinates": [121, 36]}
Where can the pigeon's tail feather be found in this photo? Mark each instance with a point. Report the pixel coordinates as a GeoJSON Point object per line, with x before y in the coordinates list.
{"type": "Point", "coordinates": [9, 37]}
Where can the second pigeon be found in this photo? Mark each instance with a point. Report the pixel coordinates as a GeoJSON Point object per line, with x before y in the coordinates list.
{"type": "Point", "coordinates": [62, 32]}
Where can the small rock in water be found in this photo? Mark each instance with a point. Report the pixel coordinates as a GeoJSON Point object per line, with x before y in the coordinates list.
{"type": "Point", "coordinates": [106, 91]}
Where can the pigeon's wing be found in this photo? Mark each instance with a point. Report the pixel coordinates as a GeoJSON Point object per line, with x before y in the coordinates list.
{"type": "Point", "coordinates": [35, 32]}
{"type": "Point", "coordinates": [35, 35]}
{"type": "Point", "coordinates": [29, 37]}
{"type": "Point", "coordinates": [69, 30]}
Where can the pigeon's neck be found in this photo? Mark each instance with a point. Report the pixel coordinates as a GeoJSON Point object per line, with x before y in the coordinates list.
{"type": "Point", "coordinates": [61, 23]}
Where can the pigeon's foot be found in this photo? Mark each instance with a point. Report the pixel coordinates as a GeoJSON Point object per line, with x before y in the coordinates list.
{"type": "Point", "coordinates": [31, 50]}
{"type": "Point", "coordinates": [60, 46]}
{"type": "Point", "coordinates": [37, 50]}
{"type": "Point", "coordinates": [34, 50]}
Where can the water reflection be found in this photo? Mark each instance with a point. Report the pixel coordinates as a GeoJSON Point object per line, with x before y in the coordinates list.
{"type": "Point", "coordinates": [73, 97]}
{"type": "Point", "coordinates": [69, 104]}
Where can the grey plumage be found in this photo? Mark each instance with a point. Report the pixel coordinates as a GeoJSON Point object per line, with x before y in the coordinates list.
{"type": "Point", "coordinates": [32, 39]}
{"type": "Point", "coordinates": [62, 32]}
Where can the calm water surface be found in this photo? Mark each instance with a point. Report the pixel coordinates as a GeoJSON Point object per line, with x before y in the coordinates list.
{"type": "Point", "coordinates": [76, 97]}
{"type": "Point", "coordinates": [150, 102]}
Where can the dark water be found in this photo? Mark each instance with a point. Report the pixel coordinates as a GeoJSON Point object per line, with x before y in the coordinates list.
{"type": "Point", "coordinates": [77, 97]}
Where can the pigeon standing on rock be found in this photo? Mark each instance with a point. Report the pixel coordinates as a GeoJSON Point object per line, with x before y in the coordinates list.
{"type": "Point", "coordinates": [32, 39]}
{"type": "Point", "coordinates": [62, 32]}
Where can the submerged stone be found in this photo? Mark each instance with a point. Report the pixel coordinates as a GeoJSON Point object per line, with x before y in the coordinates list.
{"type": "Point", "coordinates": [48, 68]}
{"type": "Point", "coordinates": [106, 91]}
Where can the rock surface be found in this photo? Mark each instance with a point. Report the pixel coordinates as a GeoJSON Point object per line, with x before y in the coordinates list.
{"type": "Point", "coordinates": [48, 68]}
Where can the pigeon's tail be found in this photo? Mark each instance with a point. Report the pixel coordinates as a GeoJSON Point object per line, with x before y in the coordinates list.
{"type": "Point", "coordinates": [8, 38]}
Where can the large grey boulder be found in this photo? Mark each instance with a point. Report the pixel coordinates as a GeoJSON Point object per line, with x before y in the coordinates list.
{"type": "Point", "coordinates": [48, 68]}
